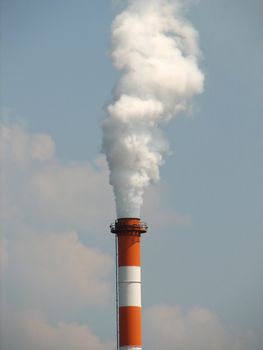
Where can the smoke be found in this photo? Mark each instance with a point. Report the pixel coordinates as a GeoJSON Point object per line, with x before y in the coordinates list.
{"type": "Point", "coordinates": [156, 49]}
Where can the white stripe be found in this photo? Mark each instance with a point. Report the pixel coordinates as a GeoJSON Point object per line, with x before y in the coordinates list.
{"type": "Point", "coordinates": [129, 348]}
{"type": "Point", "coordinates": [130, 286]}
{"type": "Point", "coordinates": [130, 294]}
{"type": "Point", "coordinates": [129, 274]}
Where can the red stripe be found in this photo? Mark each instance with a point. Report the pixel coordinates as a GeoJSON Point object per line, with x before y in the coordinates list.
{"type": "Point", "coordinates": [130, 326]}
{"type": "Point", "coordinates": [129, 250]}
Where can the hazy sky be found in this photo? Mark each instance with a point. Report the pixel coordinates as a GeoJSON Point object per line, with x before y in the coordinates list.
{"type": "Point", "coordinates": [202, 258]}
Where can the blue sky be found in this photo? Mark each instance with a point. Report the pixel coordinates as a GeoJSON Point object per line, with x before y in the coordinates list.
{"type": "Point", "coordinates": [204, 247]}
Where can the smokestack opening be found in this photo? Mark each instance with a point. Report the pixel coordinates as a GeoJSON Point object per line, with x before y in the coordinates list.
{"type": "Point", "coordinates": [128, 226]}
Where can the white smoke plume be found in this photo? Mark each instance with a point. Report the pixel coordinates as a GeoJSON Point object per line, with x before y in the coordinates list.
{"type": "Point", "coordinates": [156, 49]}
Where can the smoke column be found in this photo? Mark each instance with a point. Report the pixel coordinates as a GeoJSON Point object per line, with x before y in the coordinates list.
{"type": "Point", "coordinates": [156, 49]}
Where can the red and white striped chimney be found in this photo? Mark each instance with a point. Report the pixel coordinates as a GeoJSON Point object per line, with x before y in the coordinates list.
{"type": "Point", "coordinates": [128, 232]}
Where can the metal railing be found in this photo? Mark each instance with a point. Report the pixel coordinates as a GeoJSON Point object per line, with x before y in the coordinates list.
{"type": "Point", "coordinates": [119, 227]}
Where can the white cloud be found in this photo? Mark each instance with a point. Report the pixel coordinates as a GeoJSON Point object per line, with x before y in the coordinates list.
{"type": "Point", "coordinates": [76, 194]}
{"type": "Point", "coordinates": [22, 147]}
{"type": "Point", "coordinates": [42, 147]}
{"type": "Point", "coordinates": [30, 331]}
{"type": "Point", "coordinates": [56, 272]}
{"type": "Point", "coordinates": [38, 188]}
{"type": "Point", "coordinates": [169, 328]}
{"type": "Point", "coordinates": [46, 266]}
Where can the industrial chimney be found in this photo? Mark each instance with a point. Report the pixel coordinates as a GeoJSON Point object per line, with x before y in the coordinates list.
{"type": "Point", "coordinates": [128, 282]}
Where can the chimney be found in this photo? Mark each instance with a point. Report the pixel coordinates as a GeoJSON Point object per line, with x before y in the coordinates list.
{"type": "Point", "coordinates": [128, 282]}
